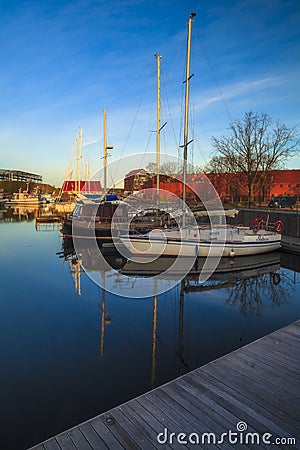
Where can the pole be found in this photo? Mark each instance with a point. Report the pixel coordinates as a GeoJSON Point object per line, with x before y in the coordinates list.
{"type": "Point", "coordinates": [89, 173]}
{"type": "Point", "coordinates": [80, 159]}
{"type": "Point", "coordinates": [158, 128]}
{"type": "Point", "coordinates": [77, 164]}
{"type": "Point", "coordinates": [186, 114]}
{"type": "Point", "coordinates": [104, 153]}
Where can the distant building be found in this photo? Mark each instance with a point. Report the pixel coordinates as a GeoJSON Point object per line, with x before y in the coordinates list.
{"type": "Point", "coordinates": [71, 186]}
{"type": "Point", "coordinates": [134, 179]}
{"type": "Point", "coordinates": [19, 175]}
{"type": "Point", "coordinates": [229, 186]}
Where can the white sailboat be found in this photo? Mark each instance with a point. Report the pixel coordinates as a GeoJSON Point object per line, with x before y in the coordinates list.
{"type": "Point", "coordinates": [214, 241]}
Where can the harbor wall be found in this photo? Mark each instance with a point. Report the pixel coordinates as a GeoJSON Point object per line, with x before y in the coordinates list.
{"type": "Point", "coordinates": [290, 219]}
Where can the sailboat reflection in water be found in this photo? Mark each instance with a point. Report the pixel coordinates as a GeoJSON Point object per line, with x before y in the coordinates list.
{"type": "Point", "coordinates": [248, 283]}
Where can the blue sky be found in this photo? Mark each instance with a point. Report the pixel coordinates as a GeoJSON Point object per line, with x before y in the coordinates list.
{"type": "Point", "coordinates": [62, 62]}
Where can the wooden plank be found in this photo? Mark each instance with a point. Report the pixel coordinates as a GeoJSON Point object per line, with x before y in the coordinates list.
{"type": "Point", "coordinates": [105, 433]}
{"type": "Point", "coordinates": [117, 431]}
{"type": "Point", "coordinates": [252, 383]}
{"type": "Point", "coordinates": [260, 395]}
{"type": "Point", "coordinates": [52, 444]}
{"type": "Point", "coordinates": [282, 337]}
{"type": "Point", "coordinates": [92, 436]}
{"type": "Point", "coordinates": [196, 417]}
{"type": "Point", "coordinates": [245, 407]}
{"type": "Point", "coordinates": [280, 356]}
{"type": "Point", "coordinates": [267, 378]}
{"type": "Point", "coordinates": [133, 432]}
{"type": "Point", "coordinates": [147, 417]}
{"type": "Point", "coordinates": [79, 439]}
{"type": "Point", "coordinates": [274, 361]}
{"type": "Point", "coordinates": [65, 442]}
{"type": "Point", "coordinates": [285, 344]}
{"type": "Point", "coordinates": [208, 407]}
{"type": "Point", "coordinates": [142, 426]}
{"type": "Point", "coordinates": [293, 330]}
{"type": "Point", "coordinates": [263, 366]}
{"type": "Point", "coordinates": [165, 420]}
{"type": "Point", "coordinates": [235, 410]}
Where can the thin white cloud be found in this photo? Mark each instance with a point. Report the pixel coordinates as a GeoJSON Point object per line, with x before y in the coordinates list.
{"type": "Point", "coordinates": [236, 90]}
{"type": "Point", "coordinates": [93, 141]}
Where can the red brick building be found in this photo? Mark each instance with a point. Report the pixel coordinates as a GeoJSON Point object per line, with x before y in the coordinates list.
{"type": "Point", "coordinates": [230, 187]}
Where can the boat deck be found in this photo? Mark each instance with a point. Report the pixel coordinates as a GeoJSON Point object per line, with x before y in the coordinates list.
{"type": "Point", "coordinates": [253, 392]}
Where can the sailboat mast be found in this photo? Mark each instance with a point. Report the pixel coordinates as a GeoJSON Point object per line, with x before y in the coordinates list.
{"type": "Point", "coordinates": [80, 159]}
{"type": "Point", "coordinates": [186, 114]}
{"type": "Point", "coordinates": [104, 153]}
{"type": "Point", "coordinates": [89, 174]}
{"type": "Point", "coordinates": [158, 128]}
{"type": "Point", "coordinates": [77, 164]}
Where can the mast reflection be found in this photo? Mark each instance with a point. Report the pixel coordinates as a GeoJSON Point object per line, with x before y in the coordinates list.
{"type": "Point", "coordinates": [246, 282]}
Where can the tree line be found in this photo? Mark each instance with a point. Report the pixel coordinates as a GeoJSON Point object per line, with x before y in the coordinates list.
{"type": "Point", "coordinates": [254, 147]}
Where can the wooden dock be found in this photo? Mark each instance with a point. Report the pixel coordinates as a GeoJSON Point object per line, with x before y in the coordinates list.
{"type": "Point", "coordinates": [252, 394]}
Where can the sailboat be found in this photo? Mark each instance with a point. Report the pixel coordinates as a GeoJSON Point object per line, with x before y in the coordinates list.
{"type": "Point", "coordinates": [194, 241]}
{"type": "Point", "coordinates": [92, 214]}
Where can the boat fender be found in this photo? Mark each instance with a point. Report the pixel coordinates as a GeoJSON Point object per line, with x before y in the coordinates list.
{"type": "Point", "coordinates": [276, 278]}
{"type": "Point", "coordinates": [258, 223]}
{"type": "Point", "coordinates": [232, 253]}
{"type": "Point", "coordinates": [278, 225]}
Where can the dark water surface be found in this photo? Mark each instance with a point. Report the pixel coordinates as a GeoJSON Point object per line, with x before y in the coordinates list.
{"type": "Point", "coordinates": [67, 357]}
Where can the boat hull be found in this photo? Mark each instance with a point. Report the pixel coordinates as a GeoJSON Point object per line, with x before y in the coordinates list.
{"type": "Point", "coordinates": [24, 202]}
{"type": "Point", "coordinates": [251, 245]}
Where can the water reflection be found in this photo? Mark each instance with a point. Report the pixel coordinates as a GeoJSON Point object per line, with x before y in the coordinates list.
{"type": "Point", "coordinates": [17, 214]}
{"type": "Point", "coordinates": [249, 294]}
{"type": "Point", "coordinates": [81, 355]}
{"type": "Point", "coordinates": [246, 283]}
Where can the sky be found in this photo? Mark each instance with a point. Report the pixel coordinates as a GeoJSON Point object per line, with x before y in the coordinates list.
{"type": "Point", "coordinates": [63, 62]}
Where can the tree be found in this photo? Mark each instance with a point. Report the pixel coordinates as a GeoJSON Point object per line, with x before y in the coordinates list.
{"type": "Point", "coordinates": [172, 168]}
{"type": "Point", "coordinates": [255, 147]}
{"type": "Point", "coordinates": [167, 168]}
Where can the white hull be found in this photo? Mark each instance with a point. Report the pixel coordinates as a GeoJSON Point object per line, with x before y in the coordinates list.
{"type": "Point", "coordinates": [24, 202]}
{"type": "Point", "coordinates": [24, 199]}
{"type": "Point", "coordinates": [168, 244]}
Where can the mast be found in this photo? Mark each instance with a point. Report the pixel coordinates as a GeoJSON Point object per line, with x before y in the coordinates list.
{"type": "Point", "coordinates": [89, 174]}
{"type": "Point", "coordinates": [186, 114]}
{"type": "Point", "coordinates": [77, 164]}
{"type": "Point", "coordinates": [105, 154]}
{"type": "Point", "coordinates": [158, 58]}
{"type": "Point", "coordinates": [80, 158]}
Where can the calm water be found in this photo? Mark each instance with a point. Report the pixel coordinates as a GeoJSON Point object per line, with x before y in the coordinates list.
{"type": "Point", "coordinates": [66, 357]}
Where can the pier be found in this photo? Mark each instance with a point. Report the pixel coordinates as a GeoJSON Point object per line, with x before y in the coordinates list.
{"type": "Point", "coordinates": [251, 394]}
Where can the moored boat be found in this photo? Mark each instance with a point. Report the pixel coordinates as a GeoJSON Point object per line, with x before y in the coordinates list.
{"type": "Point", "coordinates": [193, 241]}
{"type": "Point", "coordinates": [203, 241]}
{"type": "Point", "coordinates": [25, 198]}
